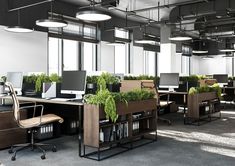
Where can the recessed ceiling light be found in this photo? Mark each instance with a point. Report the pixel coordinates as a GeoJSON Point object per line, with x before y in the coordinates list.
{"type": "Point", "coordinates": [199, 51]}
{"type": "Point", "coordinates": [18, 29]}
{"type": "Point", "coordinates": [51, 23]}
{"type": "Point", "coordinates": [227, 50]}
{"type": "Point", "coordinates": [180, 38]}
{"type": "Point", "coordinates": [92, 15]}
{"type": "Point", "coordinates": [146, 41]}
{"type": "Point", "coordinates": [207, 57]}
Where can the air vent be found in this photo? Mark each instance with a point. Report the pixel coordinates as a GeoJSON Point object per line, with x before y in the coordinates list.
{"type": "Point", "coordinates": [109, 3]}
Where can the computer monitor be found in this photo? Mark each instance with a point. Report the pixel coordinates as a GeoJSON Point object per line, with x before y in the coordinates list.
{"type": "Point", "coordinates": [73, 82]}
{"type": "Point", "coordinates": [169, 80]}
{"type": "Point", "coordinates": [16, 78]}
{"type": "Point", "coordinates": [222, 79]}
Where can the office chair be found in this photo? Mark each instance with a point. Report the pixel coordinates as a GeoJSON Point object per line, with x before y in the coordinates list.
{"type": "Point", "coordinates": [149, 85]}
{"type": "Point", "coordinates": [31, 124]}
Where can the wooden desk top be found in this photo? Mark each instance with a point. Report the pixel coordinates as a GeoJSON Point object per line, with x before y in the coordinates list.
{"type": "Point", "coordinates": [41, 100]}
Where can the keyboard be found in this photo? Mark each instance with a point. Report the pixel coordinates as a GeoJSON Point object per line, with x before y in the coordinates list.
{"type": "Point", "coordinates": [60, 99]}
{"type": "Point", "coordinates": [66, 99]}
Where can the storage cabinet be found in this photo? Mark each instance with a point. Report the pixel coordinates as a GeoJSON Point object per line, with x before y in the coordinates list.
{"type": "Point", "coordinates": [137, 119]}
{"type": "Point", "coordinates": [202, 107]}
{"type": "Point", "coordinates": [10, 133]}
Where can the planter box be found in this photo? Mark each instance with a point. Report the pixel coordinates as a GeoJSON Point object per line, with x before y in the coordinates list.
{"type": "Point", "coordinates": [195, 100]}
{"type": "Point", "coordinates": [129, 85]}
{"type": "Point", "coordinates": [94, 113]}
{"type": "Point", "coordinates": [113, 87]}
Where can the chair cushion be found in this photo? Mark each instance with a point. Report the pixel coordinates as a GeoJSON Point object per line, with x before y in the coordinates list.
{"type": "Point", "coordinates": [34, 122]}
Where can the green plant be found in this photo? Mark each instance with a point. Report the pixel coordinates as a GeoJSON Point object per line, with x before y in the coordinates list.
{"type": "Point", "coordinates": [3, 79]}
{"type": "Point", "coordinates": [110, 79]}
{"type": "Point", "coordinates": [55, 78]}
{"type": "Point", "coordinates": [203, 89]}
{"type": "Point", "coordinates": [218, 90]}
{"type": "Point", "coordinates": [40, 79]}
{"type": "Point", "coordinates": [92, 79]}
{"type": "Point", "coordinates": [192, 91]}
{"type": "Point", "coordinates": [30, 79]}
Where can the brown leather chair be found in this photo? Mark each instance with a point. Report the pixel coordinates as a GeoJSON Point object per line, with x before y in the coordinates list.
{"type": "Point", "coordinates": [31, 124]}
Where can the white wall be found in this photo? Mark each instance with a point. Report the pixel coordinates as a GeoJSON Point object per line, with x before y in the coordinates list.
{"type": "Point", "coordinates": [195, 63]}
{"type": "Point", "coordinates": [106, 57]}
{"type": "Point", "coordinates": [216, 65]}
{"type": "Point", "coordinates": [25, 52]}
{"type": "Point", "coordinates": [137, 61]}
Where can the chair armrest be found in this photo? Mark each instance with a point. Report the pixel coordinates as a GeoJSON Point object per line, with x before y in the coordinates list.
{"type": "Point", "coordinates": [34, 106]}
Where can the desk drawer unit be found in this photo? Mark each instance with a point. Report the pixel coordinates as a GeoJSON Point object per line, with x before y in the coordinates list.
{"type": "Point", "coordinates": [10, 133]}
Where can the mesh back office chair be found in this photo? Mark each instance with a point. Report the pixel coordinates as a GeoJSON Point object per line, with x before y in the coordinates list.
{"type": "Point", "coordinates": [31, 124]}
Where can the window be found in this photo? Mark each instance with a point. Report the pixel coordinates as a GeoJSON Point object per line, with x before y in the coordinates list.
{"type": "Point", "coordinates": [89, 56]}
{"type": "Point", "coordinates": [54, 58]}
{"type": "Point", "coordinates": [149, 63]}
{"type": "Point", "coordinates": [121, 58]}
{"type": "Point", "coordinates": [70, 55]}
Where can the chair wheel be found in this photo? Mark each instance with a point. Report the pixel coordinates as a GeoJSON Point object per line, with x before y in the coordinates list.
{"type": "Point", "coordinates": [13, 158]}
{"type": "Point", "coordinates": [10, 151]}
{"type": "Point", "coordinates": [43, 157]}
{"type": "Point", "coordinates": [54, 149]}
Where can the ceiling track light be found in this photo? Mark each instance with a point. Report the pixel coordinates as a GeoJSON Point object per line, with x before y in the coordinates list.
{"type": "Point", "coordinates": [116, 43]}
{"type": "Point", "coordinates": [51, 22]}
{"type": "Point", "coordinates": [18, 28]}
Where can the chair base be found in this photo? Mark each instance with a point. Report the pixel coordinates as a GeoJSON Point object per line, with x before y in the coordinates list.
{"type": "Point", "coordinates": [33, 147]}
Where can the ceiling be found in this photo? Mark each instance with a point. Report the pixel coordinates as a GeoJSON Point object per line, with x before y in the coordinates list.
{"type": "Point", "coordinates": [136, 5]}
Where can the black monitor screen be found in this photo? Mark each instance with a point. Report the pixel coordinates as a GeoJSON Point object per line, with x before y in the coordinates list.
{"type": "Point", "coordinates": [169, 80]}
{"type": "Point", "coordinates": [73, 81]}
{"type": "Point", "coordinates": [221, 78]}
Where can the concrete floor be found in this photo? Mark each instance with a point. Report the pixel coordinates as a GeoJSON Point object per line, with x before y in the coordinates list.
{"type": "Point", "coordinates": [210, 144]}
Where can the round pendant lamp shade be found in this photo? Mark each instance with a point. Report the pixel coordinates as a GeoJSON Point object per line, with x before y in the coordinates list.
{"type": "Point", "coordinates": [51, 23]}
{"type": "Point", "coordinates": [92, 15]}
{"type": "Point", "coordinates": [18, 29]}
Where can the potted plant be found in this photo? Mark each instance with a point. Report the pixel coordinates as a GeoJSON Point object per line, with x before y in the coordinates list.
{"type": "Point", "coordinates": [91, 84]}
{"type": "Point", "coordinates": [112, 82]}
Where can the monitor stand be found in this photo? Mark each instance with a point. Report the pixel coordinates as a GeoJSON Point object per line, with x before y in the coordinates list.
{"type": "Point", "coordinates": [171, 90]}
{"type": "Point", "coordinates": [78, 97]}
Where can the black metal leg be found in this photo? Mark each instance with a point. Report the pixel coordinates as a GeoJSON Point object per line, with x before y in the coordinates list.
{"type": "Point", "coordinates": [98, 154]}
{"type": "Point", "coordinates": [79, 131]}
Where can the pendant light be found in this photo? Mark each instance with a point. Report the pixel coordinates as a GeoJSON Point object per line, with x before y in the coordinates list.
{"type": "Point", "coordinates": [51, 22]}
{"type": "Point", "coordinates": [18, 28]}
{"type": "Point", "coordinates": [179, 36]}
{"type": "Point", "coordinates": [92, 14]}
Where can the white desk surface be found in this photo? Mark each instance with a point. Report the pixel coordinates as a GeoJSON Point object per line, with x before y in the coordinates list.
{"type": "Point", "coordinates": [169, 92]}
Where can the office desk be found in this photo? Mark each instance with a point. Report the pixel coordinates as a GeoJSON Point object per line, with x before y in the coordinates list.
{"type": "Point", "coordinates": [184, 94]}
{"type": "Point", "coordinates": [46, 101]}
